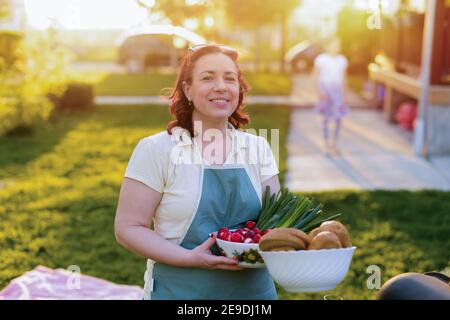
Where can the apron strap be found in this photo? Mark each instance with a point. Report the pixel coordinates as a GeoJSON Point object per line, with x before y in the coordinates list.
{"type": "Point", "coordinates": [148, 280]}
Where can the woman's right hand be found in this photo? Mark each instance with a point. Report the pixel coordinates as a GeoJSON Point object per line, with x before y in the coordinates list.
{"type": "Point", "coordinates": [202, 257]}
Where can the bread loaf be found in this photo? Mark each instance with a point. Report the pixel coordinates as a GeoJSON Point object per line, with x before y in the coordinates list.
{"type": "Point", "coordinates": [284, 237]}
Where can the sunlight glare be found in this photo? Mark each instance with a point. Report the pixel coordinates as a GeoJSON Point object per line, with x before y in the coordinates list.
{"type": "Point", "coordinates": [84, 14]}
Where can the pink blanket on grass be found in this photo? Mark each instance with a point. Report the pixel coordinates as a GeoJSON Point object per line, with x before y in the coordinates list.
{"type": "Point", "coordinates": [43, 283]}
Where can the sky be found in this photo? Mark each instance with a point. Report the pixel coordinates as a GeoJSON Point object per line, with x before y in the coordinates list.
{"type": "Point", "coordinates": [121, 14]}
{"type": "Point", "coordinates": [117, 14]}
{"type": "Point", "coordinates": [84, 14]}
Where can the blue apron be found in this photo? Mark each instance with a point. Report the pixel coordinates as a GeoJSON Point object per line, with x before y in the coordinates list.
{"type": "Point", "coordinates": [228, 199]}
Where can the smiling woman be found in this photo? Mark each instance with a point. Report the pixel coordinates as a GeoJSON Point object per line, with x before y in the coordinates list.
{"type": "Point", "coordinates": [211, 86]}
{"type": "Point", "coordinates": [84, 14]}
{"type": "Point", "coordinates": [188, 193]}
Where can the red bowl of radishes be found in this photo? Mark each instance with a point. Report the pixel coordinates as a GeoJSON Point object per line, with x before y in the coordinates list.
{"type": "Point", "coordinates": [241, 244]}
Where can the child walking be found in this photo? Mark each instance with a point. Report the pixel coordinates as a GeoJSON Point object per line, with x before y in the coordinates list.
{"type": "Point", "coordinates": [330, 69]}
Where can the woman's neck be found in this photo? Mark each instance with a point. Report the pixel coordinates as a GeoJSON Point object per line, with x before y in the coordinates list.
{"type": "Point", "coordinates": [204, 124]}
{"type": "Point", "coordinates": [214, 145]}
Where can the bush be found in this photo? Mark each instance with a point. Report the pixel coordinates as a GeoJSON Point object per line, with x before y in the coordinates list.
{"type": "Point", "coordinates": [22, 113]}
{"type": "Point", "coordinates": [10, 43]}
{"type": "Point", "coordinates": [8, 112]}
{"type": "Point", "coordinates": [76, 96]}
{"type": "Point", "coordinates": [27, 83]}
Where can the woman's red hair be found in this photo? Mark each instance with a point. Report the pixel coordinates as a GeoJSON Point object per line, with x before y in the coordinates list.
{"type": "Point", "coordinates": [179, 104]}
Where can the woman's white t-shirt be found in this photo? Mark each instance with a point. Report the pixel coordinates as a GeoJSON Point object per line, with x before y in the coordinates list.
{"type": "Point", "coordinates": [171, 165]}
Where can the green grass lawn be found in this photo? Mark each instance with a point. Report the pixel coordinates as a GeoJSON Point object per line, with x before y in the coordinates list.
{"type": "Point", "coordinates": [62, 186]}
{"type": "Point", "coordinates": [271, 84]}
{"type": "Point", "coordinates": [135, 84]}
{"type": "Point", "coordinates": [399, 231]}
{"type": "Point", "coordinates": [157, 84]}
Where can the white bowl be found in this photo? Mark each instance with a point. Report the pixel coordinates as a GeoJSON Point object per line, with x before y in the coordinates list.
{"type": "Point", "coordinates": [247, 253]}
{"type": "Point", "coordinates": [308, 270]}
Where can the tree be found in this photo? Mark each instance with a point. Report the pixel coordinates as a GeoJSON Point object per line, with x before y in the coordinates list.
{"type": "Point", "coordinates": [252, 14]}
{"type": "Point", "coordinates": [206, 13]}
{"type": "Point", "coordinates": [177, 11]}
{"type": "Point", "coordinates": [283, 9]}
{"type": "Point", "coordinates": [357, 41]}
{"type": "Point", "coordinates": [4, 8]}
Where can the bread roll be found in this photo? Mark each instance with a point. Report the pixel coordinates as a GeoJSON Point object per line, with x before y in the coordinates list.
{"type": "Point", "coordinates": [339, 229]}
{"type": "Point", "coordinates": [314, 232]}
{"type": "Point", "coordinates": [325, 240]}
{"type": "Point", "coordinates": [284, 237]}
{"type": "Point", "coordinates": [287, 241]}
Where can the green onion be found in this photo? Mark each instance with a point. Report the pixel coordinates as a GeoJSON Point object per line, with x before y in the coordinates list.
{"type": "Point", "coordinates": [274, 220]}
{"type": "Point", "coordinates": [308, 217]}
{"type": "Point", "coordinates": [285, 209]}
{"type": "Point", "coordinates": [302, 206]}
{"type": "Point", "coordinates": [317, 224]}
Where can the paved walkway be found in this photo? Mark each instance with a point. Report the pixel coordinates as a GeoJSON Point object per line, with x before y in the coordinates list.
{"type": "Point", "coordinates": [304, 93]}
{"type": "Point", "coordinates": [373, 154]}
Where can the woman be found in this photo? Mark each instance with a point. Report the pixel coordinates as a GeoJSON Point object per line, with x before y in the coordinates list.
{"type": "Point", "coordinates": [330, 69]}
{"type": "Point", "coordinates": [189, 186]}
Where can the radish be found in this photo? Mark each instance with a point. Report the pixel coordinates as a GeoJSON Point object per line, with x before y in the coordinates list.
{"type": "Point", "coordinates": [249, 234]}
{"type": "Point", "coordinates": [222, 229]}
{"type": "Point", "coordinates": [256, 230]}
{"type": "Point", "coordinates": [250, 224]}
{"type": "Point", "coordinates": [236, 237]}
{"type": "Point", "coordinates": [256, 238]}
{"type": "Point", "coordinates": [224, 235]}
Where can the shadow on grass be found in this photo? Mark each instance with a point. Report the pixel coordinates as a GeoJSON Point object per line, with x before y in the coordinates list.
{"type": "Point", "coordinates": [19, 149]}
{"type": "Point", "coordinates": [88, 240]}
{"type": "Point", "coordinates": [131, 116]}
{"type": "Point", "coordinates": [69, 231]}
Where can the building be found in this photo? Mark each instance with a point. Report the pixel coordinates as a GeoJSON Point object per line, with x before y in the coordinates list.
{"type": "Point", "coordinates": [414, 64]}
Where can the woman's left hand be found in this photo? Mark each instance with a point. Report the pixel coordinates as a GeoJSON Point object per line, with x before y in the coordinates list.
{"type": "Point", "coordinates": [202, 257]}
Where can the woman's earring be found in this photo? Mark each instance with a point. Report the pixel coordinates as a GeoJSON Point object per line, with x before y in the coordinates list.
{"type": "Point", "coordinates": [190, 103]}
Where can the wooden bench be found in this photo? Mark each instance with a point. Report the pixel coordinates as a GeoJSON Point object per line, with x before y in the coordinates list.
{"type": "Point", "coordinates": [399, 87]}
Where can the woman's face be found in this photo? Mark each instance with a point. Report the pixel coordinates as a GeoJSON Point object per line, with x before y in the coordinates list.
{"type": "Point", "coordinates": [214, 90]}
